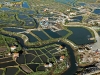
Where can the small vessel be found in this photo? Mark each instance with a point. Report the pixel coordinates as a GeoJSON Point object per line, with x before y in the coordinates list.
{"type": "Point", "coordinates": [76, 64]}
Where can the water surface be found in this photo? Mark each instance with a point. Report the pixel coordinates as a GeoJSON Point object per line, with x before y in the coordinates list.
{"type": "Point", "coordinates": [41, 35]}
{"type": "Point", "coordinates": [14, 29]}
{"type": "Point", "coordinates": [97, 11]}
{"type": "Point", "coordinates": [25, 5]}
{"type": "Point", "coordinates": [80, 35]}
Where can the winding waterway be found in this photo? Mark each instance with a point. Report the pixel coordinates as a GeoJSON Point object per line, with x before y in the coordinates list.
{"type": "Point", "coordinates": [72, 69]}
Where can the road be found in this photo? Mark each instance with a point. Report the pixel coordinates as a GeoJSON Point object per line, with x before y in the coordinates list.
{"type": "Point", "coordinates": [96, 45]}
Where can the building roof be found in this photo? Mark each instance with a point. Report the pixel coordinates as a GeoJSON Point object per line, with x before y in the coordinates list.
{"type": "Point", "coordinates": [60, 47]}
{"type": "Point", "coordinates": [48, 65]}
{"type": "Point", "coordinates": [15, 54]}
{"type": "Point", "coordinates": [13, 48]}
{"type": "Point", "coordinates": [62, 57]}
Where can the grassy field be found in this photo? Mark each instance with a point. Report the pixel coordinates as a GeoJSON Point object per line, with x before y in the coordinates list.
{"type": "Point", "coordinates": [38, 4]}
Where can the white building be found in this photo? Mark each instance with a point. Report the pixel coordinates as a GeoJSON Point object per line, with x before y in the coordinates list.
{"type": "Point", "coordinates": [13, 48]}
{"type": "Point", "coordinates": [48, 65]}
{"type": "Point", "coordinates": [72, 13]}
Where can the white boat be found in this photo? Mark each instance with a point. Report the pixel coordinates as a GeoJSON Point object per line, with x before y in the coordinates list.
{"type": "Point", "coordinates": [76, 64]}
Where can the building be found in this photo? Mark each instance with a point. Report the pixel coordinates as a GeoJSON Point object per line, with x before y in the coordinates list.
{"type": "Point", "coordinates": [13, 48]}
{"type": "Point", "coordinates": [48, 65]}
{"type": "Point", "coordinates": [62, 58]}
{"type": "Point", "coordinates": [15, 55]}
{"type": "Point", "coordinates": [60, 47]}
{"type": "Point", "coordinates": [68, 9]}
{"type": "Point", "coordinates": [72, 13]}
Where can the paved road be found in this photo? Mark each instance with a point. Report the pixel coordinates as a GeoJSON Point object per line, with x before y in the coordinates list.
{"type": "Point", "coordinates": [96, 45]}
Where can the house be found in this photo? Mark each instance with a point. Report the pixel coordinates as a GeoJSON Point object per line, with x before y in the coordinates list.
{"type": "Point", "coordinates": [80, 7]}
{"type": "Point", "coordinates": [48, 65]}
{"type": "Point", "coordinates": [46, 9]}
{"type": "Point", "coordinates": [80, 50]}
{"type": "Point", "coordinates": [72, 13]}
{"type": "Point", "coordinates": [9, 54]}
{"type": "Point", "coordinates": [60, 47]}
{"type": "Point", "coordinates": [15, 55]}
{"type": "Point", "coordinates": [13, 48]}
{"type": "Point", "coordinates": [62, 58]}
{"type": "Point", "coordinates": [68, 9]}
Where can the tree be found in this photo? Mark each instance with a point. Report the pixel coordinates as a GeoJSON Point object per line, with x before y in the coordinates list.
{"type": "Point", "coordinates": [95, 23]}
{"type": "Point", "coordinates": [66, 21]}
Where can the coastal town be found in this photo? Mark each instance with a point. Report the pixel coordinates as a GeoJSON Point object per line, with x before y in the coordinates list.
{"type": "Point", "coordinates": [42, 37]}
